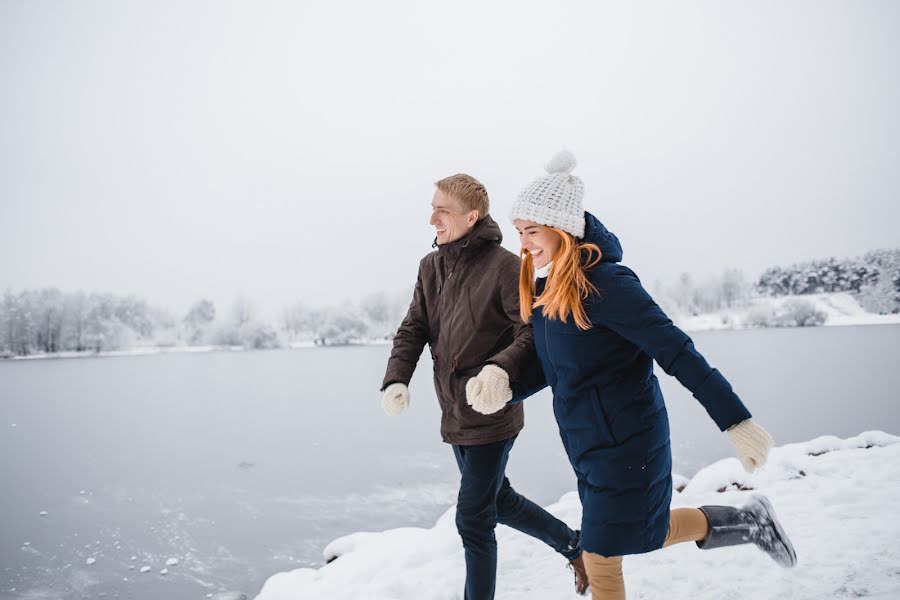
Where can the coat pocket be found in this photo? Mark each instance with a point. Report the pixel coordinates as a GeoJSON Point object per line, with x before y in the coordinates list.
{"type": "Point", "coordinates": [603, 420]}
{"type": "Point", "coordinates": [586, 426]}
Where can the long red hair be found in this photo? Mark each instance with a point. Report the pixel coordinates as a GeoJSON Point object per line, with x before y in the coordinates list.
{"type": "Point", "coordinates": [567, 285]}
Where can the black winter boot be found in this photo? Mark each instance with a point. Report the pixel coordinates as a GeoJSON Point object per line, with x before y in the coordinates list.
{"type": "Point", "coordinates": [754, 523]}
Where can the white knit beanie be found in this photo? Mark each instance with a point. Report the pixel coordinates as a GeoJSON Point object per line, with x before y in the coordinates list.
{"type": "Point", "coordinates": [555, 199]}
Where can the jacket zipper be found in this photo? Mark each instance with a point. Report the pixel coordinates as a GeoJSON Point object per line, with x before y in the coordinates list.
{"type": "Point", "coordinates": [547, 343]}
{"type": "Point", "coordinates": [546, 338]}
{"type": "Point", "coordinates": [453, 359]}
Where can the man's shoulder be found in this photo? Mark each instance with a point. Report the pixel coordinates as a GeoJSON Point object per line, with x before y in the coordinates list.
{"type": "Point", "coordinates": [428, 259]}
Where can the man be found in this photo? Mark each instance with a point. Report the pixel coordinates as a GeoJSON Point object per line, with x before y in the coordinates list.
{"type": "Point", "coordinates": [466, 308]}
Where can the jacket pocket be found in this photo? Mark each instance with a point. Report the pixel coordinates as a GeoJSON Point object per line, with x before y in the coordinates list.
{"type": "Point", "coordinates": [602, 419]}
{"type": "Point", "coordinates": [586, 426]}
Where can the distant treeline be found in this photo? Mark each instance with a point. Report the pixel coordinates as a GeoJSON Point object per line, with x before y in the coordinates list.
{"type": "Point", "coordinates": [51, 321]}
{"type": "Point", "coordinates": [874, 279]}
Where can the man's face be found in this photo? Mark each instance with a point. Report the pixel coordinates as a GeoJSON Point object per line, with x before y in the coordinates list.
{"type": "Point", "coordinates": [450, 221]}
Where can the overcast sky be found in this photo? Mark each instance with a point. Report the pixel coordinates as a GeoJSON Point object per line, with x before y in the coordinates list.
{"type": "Point", "coordinates": [287, 151]}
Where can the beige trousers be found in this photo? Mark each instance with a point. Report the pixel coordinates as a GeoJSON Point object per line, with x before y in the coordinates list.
{"type": "Point", "coordinates": [605, 573]}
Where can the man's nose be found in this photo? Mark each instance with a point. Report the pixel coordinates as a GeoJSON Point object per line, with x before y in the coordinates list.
{"type": "Point", "coordinates": [433, 219]}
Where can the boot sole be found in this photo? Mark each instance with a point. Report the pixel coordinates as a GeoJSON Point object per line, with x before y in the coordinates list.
{"type": "Point", "coordinates": [779, 532]}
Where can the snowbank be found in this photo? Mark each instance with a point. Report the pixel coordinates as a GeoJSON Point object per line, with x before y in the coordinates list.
{"type": "Point", "coordinates": [838, 308]}
{"type": "Point", "coordinates": [836, 498]}
{"type": "Point", "coordinates": [147, 350]}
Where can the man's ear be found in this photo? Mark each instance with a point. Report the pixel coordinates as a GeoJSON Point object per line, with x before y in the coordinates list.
{"type": "Point", "coordinates": [473, 218]}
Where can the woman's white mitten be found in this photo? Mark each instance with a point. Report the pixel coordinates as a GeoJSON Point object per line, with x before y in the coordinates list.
{"type": "Point", "coordinates": [752, 444]}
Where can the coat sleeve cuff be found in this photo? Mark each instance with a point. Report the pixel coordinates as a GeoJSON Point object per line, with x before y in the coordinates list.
{"type": "Point", "coordinates": [720, 401]}
{"type": "Point", "coordinates": [504, 363]}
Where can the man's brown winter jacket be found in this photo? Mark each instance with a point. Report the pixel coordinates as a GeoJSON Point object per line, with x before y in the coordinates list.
{"type": "Point", "coordinates": [466, 308]}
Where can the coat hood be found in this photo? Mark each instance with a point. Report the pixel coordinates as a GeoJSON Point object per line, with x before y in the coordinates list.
{"type": "Point", "coordinates": [596, 233]}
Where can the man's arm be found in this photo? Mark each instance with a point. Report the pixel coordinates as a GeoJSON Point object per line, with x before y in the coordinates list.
{"type": "Point", "coordinates": [519, 359]}
{"type": "Point", "coordinates": [410, 339]}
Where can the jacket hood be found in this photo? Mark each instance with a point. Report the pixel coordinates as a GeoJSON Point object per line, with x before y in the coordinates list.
{"type": "Point", "coordinates": [485, 230]}
{"type": "Point", "coordinates": [596, 233]}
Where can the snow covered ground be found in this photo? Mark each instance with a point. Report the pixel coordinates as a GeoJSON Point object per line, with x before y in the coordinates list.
{"type": "Point", "coordinates": [836, 498]}
{"type": "Point", "coordinates": [145, 350]}
{"type": "Point", "coordinates": [839, 308]}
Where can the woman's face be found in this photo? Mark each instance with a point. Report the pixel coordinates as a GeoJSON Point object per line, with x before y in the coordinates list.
{"type": "Point", "coordinates": [539, 240]}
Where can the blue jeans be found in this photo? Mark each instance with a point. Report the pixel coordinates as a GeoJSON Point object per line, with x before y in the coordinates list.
{"type": "Point", "coordinates": [485, 499]}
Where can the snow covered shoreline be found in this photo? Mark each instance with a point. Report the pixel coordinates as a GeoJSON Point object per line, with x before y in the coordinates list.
{"type": "Point", "coordinates": [840, 309]}
{"type": "Point", "coordinates": [148, 350]}
{"type": "Point", "coordinates": [836, 499]}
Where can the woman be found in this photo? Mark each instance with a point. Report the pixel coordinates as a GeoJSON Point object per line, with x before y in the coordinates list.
{"type": "Point", "coordinates": [597, 333]}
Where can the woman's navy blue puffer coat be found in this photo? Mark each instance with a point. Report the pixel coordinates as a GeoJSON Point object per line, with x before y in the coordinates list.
{"type": "Point", "coordinates": [609, 406]}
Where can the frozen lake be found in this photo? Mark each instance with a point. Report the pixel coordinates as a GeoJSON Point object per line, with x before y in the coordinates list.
{"type": "Point", "coordinates": [243, 464]}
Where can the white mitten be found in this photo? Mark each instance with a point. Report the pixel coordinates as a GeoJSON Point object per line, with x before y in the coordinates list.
{"type": "Point", "coordinates": [752, 443]}
{"type": "Point", "coordinates": [488, 391]}
{"type": "Point", "coordinates": [395, 399]}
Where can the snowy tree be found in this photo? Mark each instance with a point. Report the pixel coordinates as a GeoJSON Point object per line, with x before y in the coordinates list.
{"type": "Point", "coordinates": [244, 328]}
{"type": "Point", "coordinates": [684, 295]}
{"type": "Point", "coordinates": [687, 297]}
{"type": "Point", "coordinates": [21, 327]}
{"type": "Point", "coordinates": [253, 334]}
{"type": "Point", "coordinates": [48, 320]}
{"type": "Point", "coordinates": [103, 330]}
{"type": "Point", "coordinates": [800, 313]}
{"type": "Point", "coordinates": [341, 327]}
{"type": "Point", "coordinates": [734, 288]}
{"type": "Point", "coordinates": [294, 322]}
{"type": "Point", "coordinates": [6, 323]}
{"type": "Point", "coordinates": [830, 275]}
{"type": "Point", "coordinates": [49, 311]}
{"type": "Point", "coordinates": [134, 314]}
{"type": "Point", "coordinates": [74, 323]}
{"type": "Point", "coordinates": [882, 297]}
{"type": "Point", "coordinates": [228, 332]}
{"type": "Point", "coordinates": [199, 320]}
{"type": "Point", "coordinates": [242, 312]}
{"type": "Point", "coordinates": [380, 315]}
{"type": "Point", "coordinates": [300, 322]}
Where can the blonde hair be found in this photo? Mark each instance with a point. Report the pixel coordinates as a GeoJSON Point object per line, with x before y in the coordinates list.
{"type": "Point", "coordinates": [567, 285]}
{"type": "Point", "coordinates": [468, 191]}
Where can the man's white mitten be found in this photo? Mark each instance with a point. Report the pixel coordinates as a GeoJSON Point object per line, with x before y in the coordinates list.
{"type": "Point", "coordinates": [489, 391]}
{"type": "Point", "coordinates": [752, 443]}
{"type": "Point", "coordinates": [395, 399]}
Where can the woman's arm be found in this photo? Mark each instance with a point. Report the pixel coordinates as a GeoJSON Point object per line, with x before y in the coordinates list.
{"type": "Point", "coordinates": [625, 307]}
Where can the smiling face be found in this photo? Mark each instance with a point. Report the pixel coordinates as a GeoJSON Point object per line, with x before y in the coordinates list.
{"type": "Point", "coordinates": [542, 242]}
{"type": "Point", "coordinates": [449, 219]}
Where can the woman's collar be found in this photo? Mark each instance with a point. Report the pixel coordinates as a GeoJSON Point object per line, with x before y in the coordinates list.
{"type": "Point", "coordinates": [543, 271]}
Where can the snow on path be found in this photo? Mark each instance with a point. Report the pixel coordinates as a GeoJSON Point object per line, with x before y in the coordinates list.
{"type": "Point", "coordinates": [836, 498]}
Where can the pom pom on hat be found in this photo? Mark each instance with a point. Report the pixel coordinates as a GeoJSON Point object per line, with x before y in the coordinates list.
{"type": "Point", "coordinates": [554, 199]}
{"type": "Point", "coordinates": [562, 162]}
